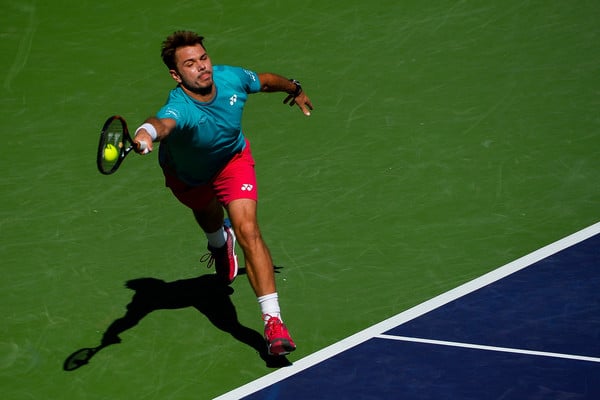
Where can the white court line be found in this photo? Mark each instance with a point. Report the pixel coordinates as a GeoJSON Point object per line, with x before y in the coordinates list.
{"type": "Point", "coordinates": [490, 348]}
{"type": "Point", "coordinates": [411, 313]}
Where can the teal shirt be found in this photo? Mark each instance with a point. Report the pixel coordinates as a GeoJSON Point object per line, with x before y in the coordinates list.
{"type": "Point", "coordinates": [207, 135]}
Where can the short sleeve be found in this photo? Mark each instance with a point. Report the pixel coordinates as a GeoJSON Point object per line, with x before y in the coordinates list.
{"type": "Point", "coordinates": [249, 80]}
{"type": "Point", "coordinates": [177, 111]}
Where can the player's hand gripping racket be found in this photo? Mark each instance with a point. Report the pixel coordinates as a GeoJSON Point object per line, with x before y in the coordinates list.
{"type": "Point", "coordinates": [115, 143]}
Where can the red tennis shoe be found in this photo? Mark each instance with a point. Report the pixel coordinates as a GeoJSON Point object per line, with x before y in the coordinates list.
{"type": "Point", "coordinates": [224, 258]}
{"type": "Point", "coordinates": [279, 342]}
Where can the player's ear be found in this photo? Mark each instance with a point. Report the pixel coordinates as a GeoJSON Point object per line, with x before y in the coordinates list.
{"type": "Point", "coordinates": [175, 75]}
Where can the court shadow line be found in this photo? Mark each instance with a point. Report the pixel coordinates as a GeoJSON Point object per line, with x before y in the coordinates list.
{"type": "Point", "coordinates": [204, 293]}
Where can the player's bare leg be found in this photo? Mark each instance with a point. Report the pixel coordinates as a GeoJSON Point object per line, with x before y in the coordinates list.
{"type": "Point", "coordinates": [259, 267]}
{"type": "Point", "coordinates": [210, 218]}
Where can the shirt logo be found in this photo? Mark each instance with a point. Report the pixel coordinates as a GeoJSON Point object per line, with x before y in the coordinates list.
{"type": "Point", "coordinates": [233, 99]}
{"type": "Point", "coordinates": [251, 75]}
{"type": "Point", "coordinates": [173, 113]}
{"type": "Point", "coordinates": [247, 187]}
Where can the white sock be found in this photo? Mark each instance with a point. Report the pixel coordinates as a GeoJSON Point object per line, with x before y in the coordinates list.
{"type": "Point", "coordinates": [217, 239]}
{"type": "Point", "coordinates": [269, 306]}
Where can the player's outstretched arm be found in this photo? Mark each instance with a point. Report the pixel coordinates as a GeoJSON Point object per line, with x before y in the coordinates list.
{"type": "Point", "coordinates": [270, 82]}
{"type": "Point", "coordinates": [152, 130]}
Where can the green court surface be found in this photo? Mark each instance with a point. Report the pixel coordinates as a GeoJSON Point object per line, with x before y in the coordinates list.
{"type": "Point", "coordinates": [448, 138]}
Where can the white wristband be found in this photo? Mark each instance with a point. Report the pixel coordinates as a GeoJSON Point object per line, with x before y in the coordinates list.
{"type": "Point", "coordinates": [150, 128]}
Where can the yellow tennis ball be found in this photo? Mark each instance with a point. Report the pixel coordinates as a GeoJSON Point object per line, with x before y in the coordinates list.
{"type": "Point", "coordinates": [110, 153]}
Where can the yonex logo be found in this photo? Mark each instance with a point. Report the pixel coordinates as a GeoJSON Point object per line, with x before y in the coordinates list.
{"type": "Point", "coordinates": [246, 187]}
{"type": "Point", "coordinates": [232, 99]}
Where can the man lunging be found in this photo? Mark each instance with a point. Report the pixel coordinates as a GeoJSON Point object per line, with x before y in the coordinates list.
{"type": "Point", "coordinates": [208, 164]}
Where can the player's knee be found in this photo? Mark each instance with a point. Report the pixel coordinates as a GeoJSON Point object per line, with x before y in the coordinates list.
{"type": "Point", "coordinates": [248, 234]}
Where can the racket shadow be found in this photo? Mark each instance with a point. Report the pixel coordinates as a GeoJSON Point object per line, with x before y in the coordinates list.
{"type": "Point", "coordinates": [205, 293]}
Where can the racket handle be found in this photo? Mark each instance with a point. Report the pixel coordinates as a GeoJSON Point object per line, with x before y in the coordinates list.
{"type": "Point", "coordinates": [144, 147]}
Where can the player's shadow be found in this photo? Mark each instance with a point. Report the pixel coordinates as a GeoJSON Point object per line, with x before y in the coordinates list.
{"type": "Point", "coordinates": [205, 293]}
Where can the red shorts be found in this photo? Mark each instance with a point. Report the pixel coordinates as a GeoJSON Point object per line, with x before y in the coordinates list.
{"type": "Point", "coordinates": [237, 180]}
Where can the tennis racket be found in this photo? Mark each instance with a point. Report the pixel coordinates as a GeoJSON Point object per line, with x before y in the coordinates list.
{"type": "Point", "coordinates": [115, 143]}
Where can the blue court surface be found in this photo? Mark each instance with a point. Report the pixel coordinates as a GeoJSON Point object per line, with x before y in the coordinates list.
{"type": "Point", "coordinates": [527, 330]}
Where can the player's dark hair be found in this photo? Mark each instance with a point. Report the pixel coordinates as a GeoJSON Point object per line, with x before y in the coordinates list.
{"type": "Point", "coordinates": [176, 40]}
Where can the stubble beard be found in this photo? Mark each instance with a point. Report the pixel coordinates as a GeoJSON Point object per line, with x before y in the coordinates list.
{"type": "Point", "coordinates": [202, 91]}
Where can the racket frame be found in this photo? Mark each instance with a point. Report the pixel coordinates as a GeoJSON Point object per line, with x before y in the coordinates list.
{"type": "Point", "coordinates": [124, 146]}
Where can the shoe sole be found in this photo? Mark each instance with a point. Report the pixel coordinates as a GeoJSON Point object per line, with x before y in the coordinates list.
{"type": "Point", "coordinates": [280, 347]}
{"type": "Point", "coordinates": [235, 259]}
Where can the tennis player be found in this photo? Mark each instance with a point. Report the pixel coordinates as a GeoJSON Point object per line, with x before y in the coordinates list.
{"type": "Point", "coordinates": [208, 164]}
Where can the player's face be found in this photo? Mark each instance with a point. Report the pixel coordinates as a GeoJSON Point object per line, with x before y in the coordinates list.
{"type": "Point", "coordinates": [194, 69]}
